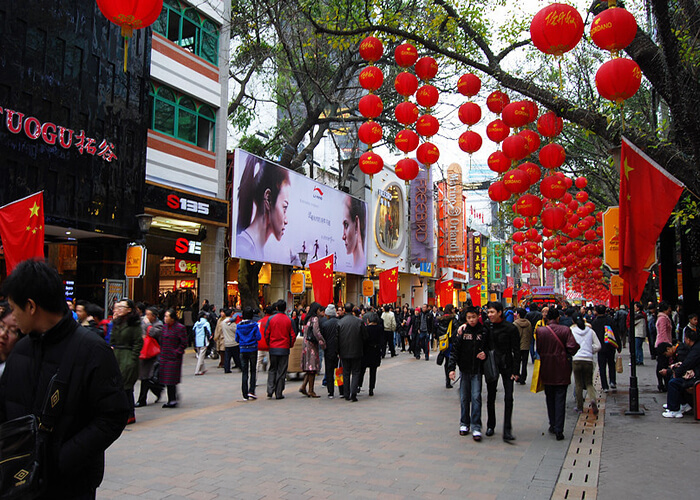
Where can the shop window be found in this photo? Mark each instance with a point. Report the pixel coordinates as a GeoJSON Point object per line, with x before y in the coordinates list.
{"type": "Point", "coordinates": [182, 117]}
{"type": "Point", "coordinates": [389, 220]}
{"type": "Point", "coordinates": [189, 29]}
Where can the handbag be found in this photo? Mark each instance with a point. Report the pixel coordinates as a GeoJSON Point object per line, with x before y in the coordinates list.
{"type": "Point", "coordinates": [339, 377]}
{"type": "Point", "coordinates": [536, 384]}
{"type": "Point", "coordinates": [491, 372]}
{"type": "Point", "coordinates": [150, 348]}
{"type": "Point", "coordinates": [24, 440]}
{"type": "Point", "coordinates": [445, 339]}
{"type": "Point", "coordinates": [618, 364]}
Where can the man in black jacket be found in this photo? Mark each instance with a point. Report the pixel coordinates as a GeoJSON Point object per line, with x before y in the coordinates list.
{"type": "Point", "coordinates": [329, 330]}
{"type": "Point", "coordinates": [424, 325]}
{"type": "Point", "coordinates": [95, 408]}
{"type": "Point", "coordinates": [352, 335]}
{"type": "Point", "coordinates": [505, 341]}
{"type": "Point", "coordinates": [606, 355]}
{"type": "Point", "coordinates": [685, 375]}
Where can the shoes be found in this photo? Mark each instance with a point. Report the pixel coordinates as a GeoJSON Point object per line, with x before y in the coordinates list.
{"type": "Point", "coordinates": [201, 373]}
{"type": "Point", "coordinates": [427, 358]}
{"type": "Point", "coordinates": [170, 404]}
{"type": "Point", "coordinates": [606, 391]}
{"type": "Point", "coordinates": [672, 414]}
{"type": "Point", "coordinates": [522, 382]}
{"type": "Point", "coordinates": [371, 392]}
{"type": "Point", "coordinates": [476, 436]}
{"type": "Point", "coordinates": [560, 436]}
{"type": "Point", "coordinates": [269, 396]}
{"type": "Point", "coordinates": [463, 430]}
{"type": "Point", "coordinates": [594, 407]}
{"type": "Point", "coordinates": [303, 391]}
{"type": "Point", "coordinates": [551, 430]}
{"type": "Point", "coordinates": [489, 432]}
{"type": "Point", "coordinates": [158, 396]}
{"type": "Point", "coordinates": [359, 390]}
{"type": "Point", "coordinates": [132, 420]}
{"type": "Point", "coordinates": [227, 371]}
{"type": "Point", "coordinates": [139, 404]}
{"type": "Point", "coordinates": [448, 386]}
{"type": "Point", "coordinates": [508, 437]}
{"type": "Point", "coordinates": [686, 408]}
{"type": "Point", "coordinates": [252, 396]}
{"type": "Point", "coordinates": [279, 397]}
{"type": "Point", "coordinates": [354, 399]}
{"type": "Point", "coordinates": [313, 395]}
{"type": "Point", "coordinates": [613, 386]}
{"type": "Point", "coordinates": [330, 396]}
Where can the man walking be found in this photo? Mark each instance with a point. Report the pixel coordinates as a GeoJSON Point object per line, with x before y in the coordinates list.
{"type": "Point", "coordinates": [351, 338]}
{"type": "Point", "coordinates": [606, 355]}
{"type": "Point", "coordinates": [424, 323]}
{"type": "Point", "coordinates": [329, 330]}
{"type": "Point", "coordinates": [525, 330]}
{"type": "Point", "coordinates": [280, 337]}
{"type": "Point", "coordinates": [555, 345]}
{"type": "Point", "coordinates": [389, 321]}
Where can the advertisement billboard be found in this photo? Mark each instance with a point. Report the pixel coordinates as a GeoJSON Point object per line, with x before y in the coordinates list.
{"type": "Point", "coordinates": [421, 195]}
{"type": "Point", "coordinates": [277, 213]}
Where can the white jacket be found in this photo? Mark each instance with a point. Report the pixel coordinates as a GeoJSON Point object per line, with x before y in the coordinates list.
{"type": "Point", "coordinates": [588, 343]}
{"type": "Point", "coordinates": [389, 321]}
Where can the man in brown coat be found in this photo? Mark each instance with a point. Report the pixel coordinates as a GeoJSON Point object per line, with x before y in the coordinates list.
{"type": "Point", "coordinates": [555, 345]}
{"type": "Point", "coordinates": [525, 331]}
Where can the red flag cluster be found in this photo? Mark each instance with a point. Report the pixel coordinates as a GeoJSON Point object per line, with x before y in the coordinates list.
{"type": "Point", "coordinates": [322, 280]}
{"type": "Point", "coordinates": [22, 230]}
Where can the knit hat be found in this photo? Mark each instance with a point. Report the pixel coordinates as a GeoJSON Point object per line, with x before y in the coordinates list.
{"type": "Point", "coordinates": [330, 311]}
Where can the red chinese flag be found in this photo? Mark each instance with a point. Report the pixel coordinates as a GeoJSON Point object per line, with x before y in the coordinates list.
{"type": "Point", "coordinates": [322, 280]}
{"type": "Point", "coordinates": [388, 286]}
{"type": "Point", "coordinates": [22, 230]}
{"type": "Point", "coordinates": [648, 195]}
{"type": "Point", "coordinates": [475, 294]}
{"type": "Point", "coordinates": [508, 292]}
{"type": "Point", "coordinates": [447, 292]}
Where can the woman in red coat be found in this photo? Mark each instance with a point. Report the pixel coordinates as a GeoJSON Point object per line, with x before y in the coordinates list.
{"type": "Point", "coordinates": [172, 347]}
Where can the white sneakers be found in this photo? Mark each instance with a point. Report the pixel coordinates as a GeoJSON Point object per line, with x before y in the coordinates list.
{"type": "Point", "coordinates": [672, 414]}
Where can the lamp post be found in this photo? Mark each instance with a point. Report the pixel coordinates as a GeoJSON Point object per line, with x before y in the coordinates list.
{"type": "Point", "coordinates": [302, 258]}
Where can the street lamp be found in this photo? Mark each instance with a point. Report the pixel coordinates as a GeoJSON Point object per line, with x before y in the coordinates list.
{"type": "Point", "coordinates": [302, 258]}
{"type": "Point", "coordinates": [145, 221]}
{"type": "Point", "coordinates": [372, 268]}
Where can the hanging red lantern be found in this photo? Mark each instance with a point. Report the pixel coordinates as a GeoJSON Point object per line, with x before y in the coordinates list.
{"type": "Point", "coordinates": [517, 259]}
{"type": "Point", "coordinates": [406, 169]}
{"type": "Point", "coordinates": [428, 153]}
{"type": "Point", "coordinates": [515, 147]}
{"type": "Point", "coordinates": [427, 96]}
{"type": "Point", "coordinates": [426, 68]}
{"type": "Point", "coordinates": [498, 162]}
{"type": "Point", "coordinates": [613, 29]}
{"type": "Point", "coordinates": [496, 101]}
{"type": "Point", "coordinates": [370, 132]}
{"type": "Point", "coordinates": [618, 79]}
{"type": "Point", "coordinates": [528, 205]}
{"type": "Point", "coordinates": [532, 138]}
{"type": "Point", "coordinates": [589, 235]}
{"type": "Point", "coordinates": [582, 197]}
{"type": "Point", "coordinates": [427, 126]}
{"type": "Point", "coordinates": [532, 109]}
{"type": "Point", "coordinates": [371, 49]}
{"type": "Point", "coordinates": [568, 181]}
{"type": "Point", "coordinates": [518, 223]}
{"type": "Point", "coordinates": [553, 187]}
{"type": "Point", "coordinates": [590, 207]}
{"type": "Point", "coordinates": [371, 78]}
{"type": "Point", "coordinates": [405, 55]}
{"type": "Point", "coordinates": [519, 250]}
{"type": "Point", "coordinates": [469, 113]}
{"type": "Point", "coordinates": [498, 192]}
{"type": "Point", "coordinates": [516, 181]}
{"type": "Point", "coordinates": [556, 29]}
{"type": "Point", "coordinates": [497, 131]}
{"type": "Point", "coordinates": [549, 124]}
{"type": "Point", "coordinates": [533, 171]}
{"type": "Point", "coordinates": [406, 141]}
{"type": "Point", "coordinates": [406, 83]}
{"type": "Point", "coordinates": [552, 156]}
{"type": "Point", "coordinates": [581, 182]}
{"type": "Point", "coordinates": [371, 163]}
{"type": "Point", "coordinates": [470, 142]}
{"type": "Point", "coordinates": [518, 237]}
{"type": "Point", "coordinates": [573, 205]}
{"type": "Point", "coordinates": [516, 114]}
{"type": "Point", "coordinates": [130, 15]}
{"type": "Point", "coordinates": [371, 106]}
{"type": "Point", "coordinates": [469, 85]}
{"type": "Point", "coordinates": [406, 113]}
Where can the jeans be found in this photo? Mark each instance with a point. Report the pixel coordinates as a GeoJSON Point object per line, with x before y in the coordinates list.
{"type": "Point", "coordinates": [422, 343]}
{"type": "Point", "coordinates": [606, 359]}
{"type": "Point", "coordinates": [523, 366]}
{"type": "Point", "coordinates": [352, 367]}
{"type": "Point", "coordinates": [233, 352]}
{"type": "Point", "coordinates": [276, 374]}
{"type": "Point", "coordinates": [533, 353]}
{"type": "Point", "coordinates": [470, 393]}
{"type": "Point", "coordinates": [675, 396]}
{"type": "Point", "coordinates": [583, 377]}
{"type": "Point", "coordinates": [249, 364]}
{"type": "Point", "coordinates": [638, 348]}
{"type": "Point", "coordinates": [491, 388]}
{"type": "Point", "coordinates": [556, 405]}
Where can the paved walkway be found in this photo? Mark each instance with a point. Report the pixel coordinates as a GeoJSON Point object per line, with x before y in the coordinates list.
{"type": "Point", "coordinates": [401, 443]}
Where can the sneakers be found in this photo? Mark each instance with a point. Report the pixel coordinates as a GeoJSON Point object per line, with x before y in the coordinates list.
{"type": "Point", "coordinates": [665, 406]}
{"type": "Point", "coordinates": [686, 408]}
{"type": "Point", "coordinates": [613, 386]}
{"type": "Point", "coordinates": [252, 396]}
{"type": "Point", "coordinates": [672, 414]}
{"type": "Point", "coordinates": [476, 435]}
{"type": "Point", "coordinates": [463, 430]}
{"type": "Point", "coordinates": [330, 396]}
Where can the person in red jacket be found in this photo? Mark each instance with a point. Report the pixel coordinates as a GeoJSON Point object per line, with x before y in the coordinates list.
{"type": "Point", "coordinates": [280, 336]}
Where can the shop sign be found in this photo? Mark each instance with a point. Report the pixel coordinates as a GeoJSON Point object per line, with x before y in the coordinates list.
{"type": "Point", "coordinates": [186, 266]}
{"type": "Point", "coordinates": [183, 245]}
{"type": "Point", "coordinates": [456, 275]}
{"type": "Point", "coordinates": [542, 290]}
{"type": "Point", "coordinates": [50, 133]}
{"type": "Point", "coordinates": [611, 241]}
{"type": "Point", "coordinates": [463, 296]}
{"type": "Point", "coordinates": [367, 288]}
{"type": "Point", "coordinates": [135, 261]}
{"type": "Point", "coordinates": [186, 283]}
{"type": "Point", "coordinates": [115, 290]}
{"type": "Point", "coordinates": [298, 283]}
{"type": "Point", "coordinates": [421, 195]}
{"type": "Point", "coordinates": [168, 201]}
{"type": "Point", "coordinates": [426, 269]}
{"type": "Point", "coordinates": [389, 221]}
{"type": "Point", "coordinates": [617, 285]}
{"type": "Point", "coordinates": [477, 255]}
{"type": "Point", "coordinates": [452, 217]}
{"type": "Point", "coordinates": [69, 287]}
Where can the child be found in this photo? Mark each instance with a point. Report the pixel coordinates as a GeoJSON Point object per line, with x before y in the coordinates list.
{"type": "Point", "coordinates": [247, 336]}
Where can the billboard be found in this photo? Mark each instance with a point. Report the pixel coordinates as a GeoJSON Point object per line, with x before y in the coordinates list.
{"type": "Point", "coordinates": [421, 196]}
{"type": "Point", "coordinates": [277, 213]}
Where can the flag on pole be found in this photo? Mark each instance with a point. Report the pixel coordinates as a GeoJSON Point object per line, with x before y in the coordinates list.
{"type": "Point", "coordinates": [322, 280]}
{"type": "Point", "coordinates": [475, 294]}
{"type": "Point", "coordinates": [388, 286]}
{"type": "Point", "coordinates": [447, 292]}
{"type": "Point", "coordinates": [648, 194]}
{"type": "Point", "coordinates": [22, 230]}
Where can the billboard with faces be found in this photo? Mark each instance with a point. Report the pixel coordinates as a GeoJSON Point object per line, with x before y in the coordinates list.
{"type": "Point", "coordinates": [277, 213]}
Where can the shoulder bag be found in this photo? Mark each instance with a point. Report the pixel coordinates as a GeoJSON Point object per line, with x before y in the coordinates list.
{"type": "Point", "coordinates": [445, 339]}
{"type": "Point", "coordinates": [150, 348]}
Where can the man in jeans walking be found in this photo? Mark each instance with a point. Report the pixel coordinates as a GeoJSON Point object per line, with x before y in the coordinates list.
{"type": "Point", "coordinates": [424, 323]}
{"type": "Point", "coordinates": [280, 337]}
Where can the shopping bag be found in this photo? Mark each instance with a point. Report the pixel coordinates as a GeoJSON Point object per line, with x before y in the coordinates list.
{"type": "Point", "coordinates": [536, 384]}
{"type": "Point", "coordinates": [150, 348]}
{"type": "Point", "coordinates": [609, 338]}
{"type": "Point", "coordinates": [339, 377]}
{"type": "Point", "coordinates": [618, 364]}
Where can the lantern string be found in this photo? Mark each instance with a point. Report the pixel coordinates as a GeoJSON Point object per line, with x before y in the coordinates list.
{"type": "Point", "coordinates": [561, 84]}
{"type": "Point", "coordinates": [126, 51]}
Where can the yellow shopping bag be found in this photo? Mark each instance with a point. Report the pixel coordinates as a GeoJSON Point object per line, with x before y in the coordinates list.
{"type": "Point", "coordinates": [536, 385]}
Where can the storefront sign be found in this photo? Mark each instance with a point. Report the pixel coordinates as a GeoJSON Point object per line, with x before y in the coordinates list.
{"type": "Point", "coordinates": [611, 241]}
{"type": "Point", "coordinates": [463, 296]}
{"type": "Point", "coordinates": [456, 275]}
{"type": "Point", "coordinates": [164, 200]}
{"type": "Point", "coordinates": [617, 285]}
{"type": "Point", "coordinates": [297, 214]}
{"type": "Point", "coordinates": [115, 290]}
{"type": "Point", "coordinates": [135, 261]}
{"type": "Point", "coordinates": [421, 194]}
{"type": "Point", "coordinates": [367, 288]}
{"type": "Point", "coordinates": [453, 218]}
{"type": "Point", "coordinates": [185, 283]}
{"type": "Point", "coordinates": [50, 133]}
{"type": "Point", "coordinates": [426, 268]}
{"type": "Point", "coordinates": [69, 287]}
{"type": "Point", "coordinates": [183, 245]}
{"type": "Point", "coordinates": [542, 290]}
{"type": "Point", "coordinates": [477, 255]}
{"type": "Point", "coordinates": [186, 266]}
{"type": "Point", "coordinates": [298, 283]}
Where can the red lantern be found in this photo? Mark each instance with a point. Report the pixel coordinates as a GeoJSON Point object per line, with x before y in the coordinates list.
{"type": "Point", "coordinates": [518, 237]}
{"type": "Point", "coordinates": [406, 140]}
{"type": "Point", "coordinates": [528, 205]}
{"type": "Point", "coordinates": [406, 113]}
{"type": "Point", "coordinates": [371, 163]}
{"type": "Point", "coordinates": [470, 142]}
{"type": "Point", "coordinates": [405, 55]}
{"type": "Point", "coordinates": [469, 85]}
{"type": "Point", "coordinates": [589, 235]}
{"type": "Point", "coordinates": [370, 132]}
{"type": "Point", "coordinates": [428, 153]}
{"type": "Point", "coordinates": [371, 49]}
{"type": "Point", "coordinates": [573, 205]}
{"type": "Point", "coordinates": [516, 181]}
{"type": "Point", "coordinates": [516, 114]}
{"type": "Point", "coordinates": [469, 113]}
{"type": "Point", "coordinates": [532, 110]}
{"type": "Point", "coordinates": [550, 125]}
{"type": "Point", "coordinates": [517, 259]}
{"type": "Point", "coordinates": [515, 147]}
{"type": "Point", "coordinates": [618, 79]}
{"type": "Point", "coordinates": [552, 156]}
{"type": "Point", "coordinates": [427, 126]}
{"type": "Point", "coordinates": [496, 101]}
{"type": "Point", "coordinates": [581, 182]}
{"type": "Point", "coordinates": [518, 222]}
{"type": "Point", "coordinates": [371, 106]}
{"type": "Point", "coordinates": [427, 96]}
{"type": "Point", "coordinates": [498, 192]}
{"type": "Point", "coordinates": [533, 171]}
{"type": "Point", "coordinates": [553, 187]}
{"type": "Point", "coordinates": [533, 140]}
{"type": "Point", "coordinates": [130, 16]}
{"type": "Point", "coordinates": [556, 29]}
{"type": "Point", "coordinates": [613, 29]}
{"type": "Point", "coordinates": [568, 182]}
{"type": "Point", "coordinates": [406, 83]}
{"type": "Point", "coordinates": [498, 162]}
{"type": "Point", "coordinates": [582, 196]}
{"type": "Point", "coordinates": [590, 207]}
{"type": "Point", "coordinates": [406, 169]}
{"type": "Point", "coordinates": [497, 131]}
{"type": "Point", "coordinates": [371, 78]}
{"type": "Point", "coordinates": [426, 68]}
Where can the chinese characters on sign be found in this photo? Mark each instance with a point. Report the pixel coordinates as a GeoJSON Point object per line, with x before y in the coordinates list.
{"type": "Point", "coordinates": [421, 217]}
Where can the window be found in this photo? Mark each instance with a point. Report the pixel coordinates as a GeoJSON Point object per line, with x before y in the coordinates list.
{"type": "Point", "coordinates": [189, 29]}
{"type": "Point", "coordinates": [182, 117]}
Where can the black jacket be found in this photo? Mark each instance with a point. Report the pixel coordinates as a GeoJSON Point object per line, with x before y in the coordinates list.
{"type": "Point", "coordinates": [505, 339]}
{"type": "Point", "coordinates": [691, 362]}
{"type": "Point", "coordinates": [598, 325]}
{"type": "Point", "coordinates": [95, 407]}
{"type": "Point", "coordinates": [429, 319]}
{"type": "Point", "coordinates": [329, 330]}
{"type": "Point", "coordinates": [466, 344]}
{"type": "Point", "coordinates": [352, 335]}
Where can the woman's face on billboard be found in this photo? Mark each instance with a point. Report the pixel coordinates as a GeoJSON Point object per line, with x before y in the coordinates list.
{"type": "Point", "coordinates": [350, 230]}
{"type": "Point", "coordinates": [278, 213]}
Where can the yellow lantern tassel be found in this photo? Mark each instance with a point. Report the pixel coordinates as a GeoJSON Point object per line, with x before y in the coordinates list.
{"type": "Point", "coordinates": [127, 31]}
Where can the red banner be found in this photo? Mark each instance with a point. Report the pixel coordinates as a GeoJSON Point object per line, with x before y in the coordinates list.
{"type": "Point", "coordinates": [475, 294]}
{"type": "Point", "coordinates": [447, 293]}
{"type": "Point", "coordinates": [388, 286]}
{"type": "Point", "coordinates": [22, 230]}
{"type": "Point", "coordinates": [322, 280]}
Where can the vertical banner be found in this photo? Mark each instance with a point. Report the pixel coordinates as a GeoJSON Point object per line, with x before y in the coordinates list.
{"type": "Point", "coordinates": [453, 228]}
{"type": "Point", "coordinates": [421, 195]}
{"type": "Point", "coordinates": [388, 286]}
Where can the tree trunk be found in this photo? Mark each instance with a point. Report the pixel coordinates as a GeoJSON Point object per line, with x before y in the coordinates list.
{"type": "Point", "coordinates": [248, 283]}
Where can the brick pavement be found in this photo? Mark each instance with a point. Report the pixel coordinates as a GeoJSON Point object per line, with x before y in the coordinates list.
{"type": "Point", "coordinates": [402, 443]}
